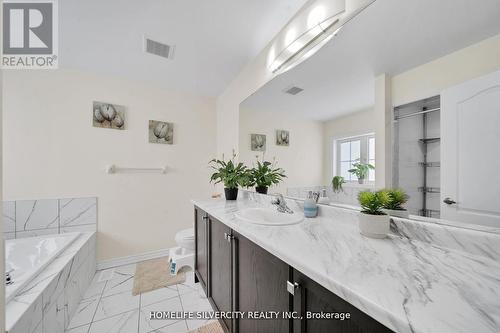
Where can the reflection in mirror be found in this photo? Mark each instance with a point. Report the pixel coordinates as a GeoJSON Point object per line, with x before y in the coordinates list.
{"type": "Point", "coordinates": [390, 102]}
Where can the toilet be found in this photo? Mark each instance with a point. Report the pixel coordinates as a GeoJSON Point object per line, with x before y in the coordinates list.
{"type": "Point", "coordinates": [183, 254]}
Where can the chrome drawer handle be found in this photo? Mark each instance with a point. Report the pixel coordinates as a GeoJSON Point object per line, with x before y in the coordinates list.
{"type": "Point", "coordinates": [290, 287]}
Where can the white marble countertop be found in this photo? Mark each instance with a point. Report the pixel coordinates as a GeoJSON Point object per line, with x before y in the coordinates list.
{"type": "Point", "coordinates": [407, 285]}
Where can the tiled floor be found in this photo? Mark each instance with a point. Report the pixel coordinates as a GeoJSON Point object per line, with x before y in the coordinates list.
{"type": "Point", "coordinates": [109, 307]}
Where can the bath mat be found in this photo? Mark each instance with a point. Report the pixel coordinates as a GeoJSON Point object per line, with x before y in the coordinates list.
{"type": "Point", "coordinates": [209, 328]}
{"type": "Point", "coordinates": [155, 274]}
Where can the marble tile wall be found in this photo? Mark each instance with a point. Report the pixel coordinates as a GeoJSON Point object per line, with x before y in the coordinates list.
{"type": "Point", "coordinates": [49, 301]}
{"type": "Point", "coordinates": [28, 218]}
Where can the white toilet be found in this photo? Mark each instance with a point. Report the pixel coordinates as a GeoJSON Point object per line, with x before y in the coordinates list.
{"type": "Point", "coordinates": [183, 254]}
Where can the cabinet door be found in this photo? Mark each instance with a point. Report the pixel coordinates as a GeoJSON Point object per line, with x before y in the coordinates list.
{"type": "Point", "coordinates": [220, 268]}
{"type": "Point", "coordinates": [311, 297]}
{"type": "Point", "coordinates": [261, 286]}
{"type": "Point", "coordinates": [201, 248]}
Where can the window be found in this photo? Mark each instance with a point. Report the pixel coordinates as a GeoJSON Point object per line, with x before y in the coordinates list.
{"type": "Point", "coordinates": [354, 150]}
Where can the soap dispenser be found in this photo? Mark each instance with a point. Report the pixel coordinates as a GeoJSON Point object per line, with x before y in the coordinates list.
{"type": "Point", "coordinates": [310, 205]}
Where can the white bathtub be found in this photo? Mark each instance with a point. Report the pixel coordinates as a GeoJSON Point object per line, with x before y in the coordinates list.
{"type": "Point", "coordinates": [26, 257]}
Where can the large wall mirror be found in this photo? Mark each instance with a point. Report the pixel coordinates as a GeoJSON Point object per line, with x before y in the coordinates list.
{"type": "Point", "coordinates": [398, 88]}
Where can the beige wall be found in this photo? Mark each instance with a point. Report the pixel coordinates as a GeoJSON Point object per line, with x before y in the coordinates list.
{"type": "Point", "coordinates": [302, 160]}
{"type": "Point", "coordinates": [51, 150]}
{"type": "Point", "coordinates": [431, 78]}
{"type": "Point", "coordinates": [357, 123]}
{"type": "Point", "coordinates": [250, 79]}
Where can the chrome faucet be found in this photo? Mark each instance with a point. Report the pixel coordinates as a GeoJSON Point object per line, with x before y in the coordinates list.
{"type": "Point", "coordinates": [281, 205]}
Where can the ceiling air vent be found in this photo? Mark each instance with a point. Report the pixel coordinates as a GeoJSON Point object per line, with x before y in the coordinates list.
{"type": "Point", "coordinates": [159, 49]}
{"type": "Point", "coordinates": [293, 90]}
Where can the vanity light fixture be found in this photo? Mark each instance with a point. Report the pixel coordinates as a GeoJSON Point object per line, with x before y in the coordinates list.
{"type": "Point", "coordinates": [319, 32]}
{"type": "Point", "coordinates": [305, 45]}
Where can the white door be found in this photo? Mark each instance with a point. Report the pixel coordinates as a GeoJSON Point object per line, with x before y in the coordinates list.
{"type": "Point", "coordinates": [470, 151]}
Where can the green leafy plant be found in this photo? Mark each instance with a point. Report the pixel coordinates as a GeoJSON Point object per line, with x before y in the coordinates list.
{"type": "Point", "coordinates": [396, 199]}
{"type": "Point", "coordinates": [372, 203]}
{"type": "Point", "coordinates": [230, 173]}
{"type": "Point", "coordinates": [361, 170]}
{"type": "Point", "coordinates": [337, 183]}
{"type": "Point", "coordinates": [266, 174]}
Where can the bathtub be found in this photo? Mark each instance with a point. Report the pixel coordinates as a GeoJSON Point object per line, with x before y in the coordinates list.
{"type": "Point", "coordinates": [26, 257]}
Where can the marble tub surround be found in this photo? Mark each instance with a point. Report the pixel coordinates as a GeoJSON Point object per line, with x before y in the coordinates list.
{"type": "Point", "coordinates": [406, 282]}
{"type": "Point", "coordinates": [48, 302]}
{"type": "Point", "coordinates": [29, 218]}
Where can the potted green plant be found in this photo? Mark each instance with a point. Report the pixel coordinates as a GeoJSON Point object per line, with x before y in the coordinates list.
{"type": "Point", "coordinates": [373, 222]}
{"type": "Point", "coordinates": [360, 170]}
{"type": "Point", "coordinates": [394, 205]}
{"type": "Point", "coordinates": [231, 174]}
{"type": "Point", "coordinates": [264, 175]}
{"type": "Point", "coordinates": [337, 183]}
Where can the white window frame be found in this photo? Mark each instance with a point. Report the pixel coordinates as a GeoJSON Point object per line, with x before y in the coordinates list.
{"type": "Point", "coordinates": [364, 158]}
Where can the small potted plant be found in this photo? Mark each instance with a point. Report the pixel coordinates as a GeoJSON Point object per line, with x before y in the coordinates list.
{"type": "Point", "coordinates": [361, 170]}
{"type": "Point", "coordinates": [394, 205]}
{"type": "Point", "coordinates": [264, 175]}
{"type": "Point", "coordinates": [337, 183]}
{"type": "Point", "coordinates": [373, 222]}
{"type": "Point", "coordinates": [231, 174]}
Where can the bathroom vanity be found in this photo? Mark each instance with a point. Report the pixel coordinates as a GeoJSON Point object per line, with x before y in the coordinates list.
{"type": "Point", "coordinates": [239, 275]}
{"type": "Point", "coordinates": [324, 265]}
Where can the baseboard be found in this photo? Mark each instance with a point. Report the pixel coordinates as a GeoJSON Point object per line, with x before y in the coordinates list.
{"type": "Point", "coordinates": [104, 264]}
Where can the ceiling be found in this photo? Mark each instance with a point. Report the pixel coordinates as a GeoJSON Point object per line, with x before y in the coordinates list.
{"type": "Point", "coordinates": [390, 36]}
{"type": "Point", "coordinates": [213, 39]}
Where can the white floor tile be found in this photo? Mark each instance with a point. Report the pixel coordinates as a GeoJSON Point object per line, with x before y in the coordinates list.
{"type": "Point", "coordinates": [123, 323]}
{"type": "Point", "coordinates": [158, 295]}
{"type": "Point", "coordinates": [95, 289]}
{"type": "Point", "coordinates": [124, 270]}
{"type": "Point", "coordinates": [116, 304]}
{"type": "Point", "coordinates": [194, 324]}
{"type": "Point", "coordinates": [117, 311]}
{"type": "Point", "coordinates": [118, 272]}
{"type": "Point", "coordinates": [81, 329]}
{"type": "Point", "coordinates": [186, 289]}
{"type": "Point", "coordinates": [147, 325]}
{"type": "Point", "coordinates": [117, 286]}
{"type": "Point", "coordinates": [84, 312]}
{"type": "Point", "coordinates": [194, 302]}
{"type": "Point", "coordinates": [178, 327]}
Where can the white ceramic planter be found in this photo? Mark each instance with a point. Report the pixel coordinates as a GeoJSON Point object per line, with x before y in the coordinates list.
{"type": "Point", "coordinates": [374, 226]}
{"type": "Point", "coordinates": [398, 213]}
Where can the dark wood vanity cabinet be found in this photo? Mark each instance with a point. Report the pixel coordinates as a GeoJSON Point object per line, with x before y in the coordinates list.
{"type": "Point", "coordinates": [311, 297]}
{"type": "Point", "coordinates": [238, 275]}
{"type": "Point", "coordinates": [260, 286]}
{"type": "Point", "coordinates": [201, 225]}
{"type": "Point", "coordinates": [220, 258]}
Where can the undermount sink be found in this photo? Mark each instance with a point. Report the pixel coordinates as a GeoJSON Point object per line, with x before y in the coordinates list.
{"type": "Point", "coordinates": [267, 216]}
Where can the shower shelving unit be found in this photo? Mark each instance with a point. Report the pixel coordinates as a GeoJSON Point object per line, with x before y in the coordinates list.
{"type": "Point", "coordinates": [417, 163]}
